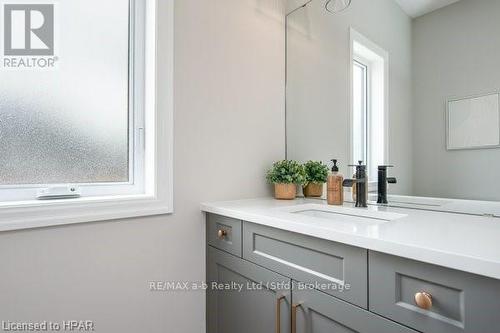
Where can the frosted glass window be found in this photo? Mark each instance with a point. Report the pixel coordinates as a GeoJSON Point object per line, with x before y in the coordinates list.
{"type": "Point", "coordinates": [71, 123]}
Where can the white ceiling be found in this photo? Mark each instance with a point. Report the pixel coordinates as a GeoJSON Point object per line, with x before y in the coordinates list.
{"type": "Point", "coordinates": [416, 8]}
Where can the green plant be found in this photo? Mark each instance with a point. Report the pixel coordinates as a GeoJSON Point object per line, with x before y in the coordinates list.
{"type": "Point", "coordinates": [286, 172]}
{"type": "Point", "coordinates": [316, 172]}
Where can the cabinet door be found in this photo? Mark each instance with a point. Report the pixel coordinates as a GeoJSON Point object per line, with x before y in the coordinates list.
{"type": "Point", "coordinates": [460, 302]}
{"type": "Point", "coordinates": [245, 298]}
{"type": "Point", "coordinates": [317, 312]}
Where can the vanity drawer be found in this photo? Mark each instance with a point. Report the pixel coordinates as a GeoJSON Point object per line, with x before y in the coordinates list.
{"type": "Point", "coordinates": [461, 302]}
{"type": "Point", "coordinates": [224, 233]}
{"type": "Point", "coordinates": [341, 269]}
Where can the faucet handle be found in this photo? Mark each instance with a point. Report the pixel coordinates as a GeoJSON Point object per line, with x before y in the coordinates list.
{"type": "Point", "coordinates": [348, 182]}
{"type": "Point", "coordinates": [392, 180]}
{"type": "Point", "coordinates": [384, 167]}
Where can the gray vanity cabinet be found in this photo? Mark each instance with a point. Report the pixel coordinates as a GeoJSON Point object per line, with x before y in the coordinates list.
{"type": "Point", "coordinates": [283, 273]}
{"type": "Point", "coordinates": [266, 297]}
{"type": "Point", "coordinates": [317, 312]}
{"type": "Point", "coordinates": [253, 309]}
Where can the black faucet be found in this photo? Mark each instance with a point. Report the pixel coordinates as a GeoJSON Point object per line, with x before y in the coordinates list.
{"type": "Point", "coordinates": [361, 184]}
{"type": "Point", "coordinates": [383, 180]}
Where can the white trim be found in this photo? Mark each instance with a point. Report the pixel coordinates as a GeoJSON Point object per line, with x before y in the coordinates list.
{"type": "Point", "coordinates": [361, 63]}
{"type": "Point", "coordinates": [158, 196]}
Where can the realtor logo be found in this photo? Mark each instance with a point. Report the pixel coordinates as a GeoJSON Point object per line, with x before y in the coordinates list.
{"type": "Point", "coordinates": [29, 30]}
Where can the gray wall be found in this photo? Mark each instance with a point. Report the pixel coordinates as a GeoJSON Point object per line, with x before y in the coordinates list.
{"type": "Point", "coordinates": [456, 53]}
{"type": "Point", "coordinates": [318, 105]}
{"type": "Point", "coordinates": [229, 102]}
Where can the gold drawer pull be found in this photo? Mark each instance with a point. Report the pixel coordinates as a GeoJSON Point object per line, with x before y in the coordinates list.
{"type": "Point", "coordinates": [294, 317]}
{"type": "Point", "coordinates": [423, 300]}
{"type": "Point", "coordinates": [221, 233]}
{"type": "Point", "coordinates": [278, 313]}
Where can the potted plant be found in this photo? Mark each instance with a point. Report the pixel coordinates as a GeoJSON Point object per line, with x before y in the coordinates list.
{"type": "Point", "coordinates": [316, 176]}
{"type": "Point", "coordinates": [286, 175]}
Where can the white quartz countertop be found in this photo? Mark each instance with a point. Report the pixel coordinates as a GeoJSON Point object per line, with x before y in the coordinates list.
{"type": "Point", "coordinates": [464, 242]}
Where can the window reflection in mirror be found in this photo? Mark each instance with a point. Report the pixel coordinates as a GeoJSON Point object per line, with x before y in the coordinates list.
{"type": "Point", "coordinates": [369, 104]}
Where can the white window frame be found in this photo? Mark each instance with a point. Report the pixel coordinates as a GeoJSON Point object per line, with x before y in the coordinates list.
{"type": "Point", "coordinates": [376, 59]}
{"type": "Point", "coordinates": [152, 133]}
{"type": "Point", "coordinates": [357, 61]}
{"type": "Point", "coordinates": [136, 118]}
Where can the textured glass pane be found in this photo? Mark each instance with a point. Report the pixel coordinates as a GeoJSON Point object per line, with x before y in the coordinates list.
{"type": "Point", "coordinates": [69, 124]}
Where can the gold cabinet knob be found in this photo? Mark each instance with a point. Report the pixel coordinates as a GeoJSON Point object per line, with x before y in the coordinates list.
{"type": "Point", "coordinates": [423, 300]}
{"type": "Point", "coordinates": [221, 233]}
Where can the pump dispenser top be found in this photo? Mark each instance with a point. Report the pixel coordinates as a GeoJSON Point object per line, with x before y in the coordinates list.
{"type": "Point", "coordinates": [335, 168]}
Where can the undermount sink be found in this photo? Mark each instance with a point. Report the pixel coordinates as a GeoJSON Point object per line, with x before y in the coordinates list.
{"type": "Point", "coordinates": [345, 214]}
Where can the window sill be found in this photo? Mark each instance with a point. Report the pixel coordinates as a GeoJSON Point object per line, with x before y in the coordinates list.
{"type": "Point", "coordinates": [37, 214]}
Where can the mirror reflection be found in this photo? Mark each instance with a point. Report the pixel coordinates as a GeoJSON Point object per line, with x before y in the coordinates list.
{"type": "Point", "coordinates": [412, 84]}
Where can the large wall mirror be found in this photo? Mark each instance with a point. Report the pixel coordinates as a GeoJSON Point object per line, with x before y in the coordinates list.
{"type": "Point", "coordinates": [410, 83]}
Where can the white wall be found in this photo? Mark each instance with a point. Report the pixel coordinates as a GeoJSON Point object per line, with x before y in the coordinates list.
{"type": "Point", "coordinates": [456, 54]}
{"type": "Point", "coordinates": [229, 116]}
{"type": "Point", "coordinates": [318, 105]}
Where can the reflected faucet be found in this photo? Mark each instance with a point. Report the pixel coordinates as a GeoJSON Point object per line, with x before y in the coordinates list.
{"type": "Point", "coordinates": [361, 183]}
{"type": "Point", "coordinates": [383, 180]}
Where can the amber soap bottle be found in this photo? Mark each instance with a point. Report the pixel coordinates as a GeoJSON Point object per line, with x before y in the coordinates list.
{"type": "Point", "coordinates": [335, 190]}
